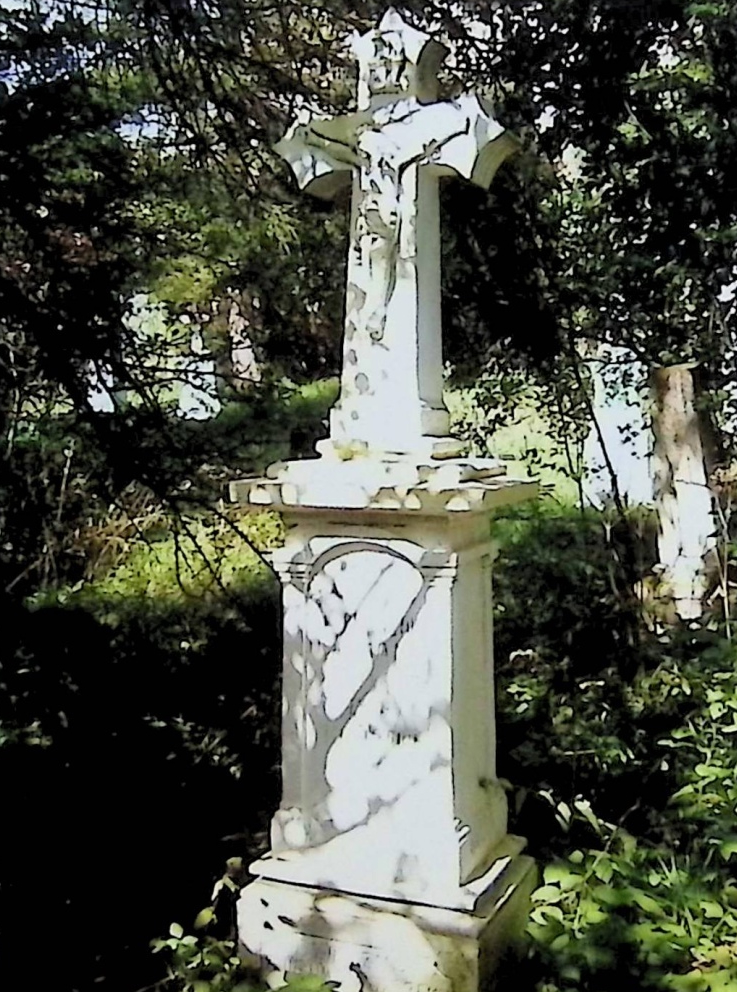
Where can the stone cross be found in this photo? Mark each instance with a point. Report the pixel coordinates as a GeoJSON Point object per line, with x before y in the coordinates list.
{"type": "Point", "coordinates": [395, 147]}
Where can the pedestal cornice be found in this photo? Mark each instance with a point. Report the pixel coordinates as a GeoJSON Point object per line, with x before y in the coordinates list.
{"type": "Point", "coordinates": [369, 484]}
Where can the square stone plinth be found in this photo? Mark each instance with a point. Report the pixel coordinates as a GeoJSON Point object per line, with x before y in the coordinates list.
{"type": "Point", "coordinates": [388, 747]}
{"type": "Point", "coordinates": [375, 945]}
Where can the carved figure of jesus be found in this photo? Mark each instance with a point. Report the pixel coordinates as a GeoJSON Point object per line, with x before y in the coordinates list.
{"type": "Point", "coordinates": [377, 232]}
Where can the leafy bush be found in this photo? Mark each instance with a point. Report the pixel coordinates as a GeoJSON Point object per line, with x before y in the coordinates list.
{"type": "Point", "coordinates": [632, 914]}
{"type": "Point", "coordinates": [564, 586]}
{"type": "Point", "coordinates": [131, 706]}
{"type": "Point", "coordinates": [194, 560]}
{"type": "Point", "coordinates": [204, 963]}
{"type": "Point", "coordinates": [626, 774]}
{"type": "Point", "coordinates": [209, 960]}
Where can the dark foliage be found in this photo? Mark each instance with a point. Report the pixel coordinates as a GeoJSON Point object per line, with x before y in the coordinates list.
{"type": "Point", "coordinates": [117, 816]}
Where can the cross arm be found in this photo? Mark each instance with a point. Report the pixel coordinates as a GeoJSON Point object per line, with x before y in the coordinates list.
{"type": "Point", "coordinates": [321, 153]}
{"type": "Point", "coordinates": [475, 145]}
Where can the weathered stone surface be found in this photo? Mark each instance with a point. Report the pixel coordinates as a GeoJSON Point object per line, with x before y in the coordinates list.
{"type": "Point", "coordinates": [369, 945]}
{"type": "Point", "coordinates": [369, 485]}
{"type": "Point", "coordinates": [388, 739]}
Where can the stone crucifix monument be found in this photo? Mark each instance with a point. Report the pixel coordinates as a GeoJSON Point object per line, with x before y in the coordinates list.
{"type": "Point", "coordinates": [390, 867]}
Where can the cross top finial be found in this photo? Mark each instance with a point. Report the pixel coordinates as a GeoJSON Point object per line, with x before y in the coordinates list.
{"type": "Point", "coordinates": [396, 60]}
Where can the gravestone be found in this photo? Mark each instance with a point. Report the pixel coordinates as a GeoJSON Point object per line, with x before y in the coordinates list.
{"type": "Point", "coordinates": [390, 866]}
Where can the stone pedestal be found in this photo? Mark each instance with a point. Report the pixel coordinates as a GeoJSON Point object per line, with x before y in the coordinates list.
{"type": "Point", "coordinates": [389, 855]}
{"type": "Point", "coordinates": [372, 945]}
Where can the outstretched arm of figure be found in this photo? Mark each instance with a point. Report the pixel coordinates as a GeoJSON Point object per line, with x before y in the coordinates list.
{"type": "Point", "coordinates": [475, 143]}
{"type": "Point", "coordinates": [321, 153]}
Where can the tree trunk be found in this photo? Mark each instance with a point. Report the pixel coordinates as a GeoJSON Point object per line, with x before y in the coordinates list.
{"type": "Point", "coordinates": [619, 441]}
{"type": "Point", "coordinates": [683, 500]}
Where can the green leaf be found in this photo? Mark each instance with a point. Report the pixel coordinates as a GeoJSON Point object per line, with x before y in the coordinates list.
{"type": "Point", "coordinates": [175, 930]}
{"type": "Point", "coordinates": [711, 910]}
{"type": "Point", "coordinates": [552, 912]}
{"type": "Point", "coordinates": [728, 847]}
{"type": "Point", "coordinates": [720, 981]}
{"type": "Point", "coordinates": [548, 894]}
{"type": "Point", "coordinates": [204, 917]}
{"type": "Point", "coordinates": [604, 870]}
{"type": "Point", "coordinates": [562, 876]}
{"type": "Point", "coordinates": [591, 912]}
{"type": "Point", "coordinates": [610, 896]}
{"type": "Point", "coordinates": [647, 903]}
{"type": "Point", "coordinates": [571, 972]}
{"type": "Point", "coordinates": [711, 771]}
{"type": "Point", "coordinates": [560, 942]}
{"type": "Point", "coordinates": [705, 9]}
{"type": "Point", "coordinates": [686, 792]}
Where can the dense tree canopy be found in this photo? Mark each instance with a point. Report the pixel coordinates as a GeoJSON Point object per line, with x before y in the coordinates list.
{"type": "Point", "coordinates": [617, 221]}
{"type": "Point", "coordinates": [137, 164]}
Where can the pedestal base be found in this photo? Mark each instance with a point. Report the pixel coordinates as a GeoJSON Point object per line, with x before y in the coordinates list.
{"type": "Point", "coordinates": [375, 945]}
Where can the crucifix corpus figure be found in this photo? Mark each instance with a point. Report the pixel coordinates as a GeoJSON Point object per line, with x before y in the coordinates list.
{"type": "Point", "coordinates": [394, 148]}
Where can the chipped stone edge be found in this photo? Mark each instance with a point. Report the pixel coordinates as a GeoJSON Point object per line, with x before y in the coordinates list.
{"type": "Point", "coordinates": [477, 496]}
